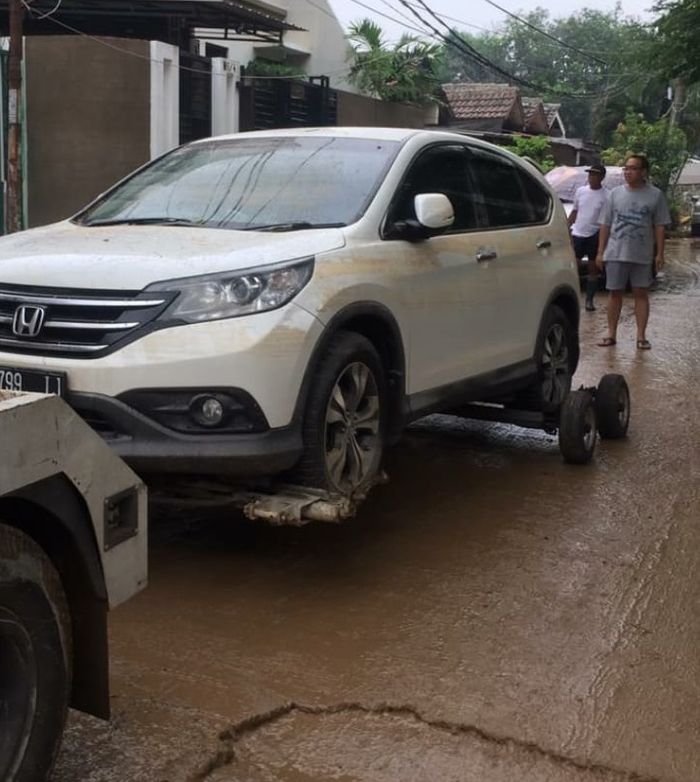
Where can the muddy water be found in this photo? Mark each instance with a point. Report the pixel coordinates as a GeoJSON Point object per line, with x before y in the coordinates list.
{"type": "Point", "coordinates": [494, 615]}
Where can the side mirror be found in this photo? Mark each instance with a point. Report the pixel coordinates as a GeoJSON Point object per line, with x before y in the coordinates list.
{"type": "Point", "coordinates": [434, 211]}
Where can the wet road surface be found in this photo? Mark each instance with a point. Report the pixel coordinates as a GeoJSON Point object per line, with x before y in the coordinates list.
{"type": "Point", "coordinates": [493, 615]}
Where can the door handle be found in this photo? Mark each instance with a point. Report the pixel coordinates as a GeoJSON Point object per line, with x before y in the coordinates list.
{"type": "Point", "coordinates": [543, 244]}
{"type": "Point", "coordinates": [489, 255]}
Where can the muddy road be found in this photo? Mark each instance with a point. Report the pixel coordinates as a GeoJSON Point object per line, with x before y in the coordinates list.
{"type": "Point", "coordinates": [493, 615]}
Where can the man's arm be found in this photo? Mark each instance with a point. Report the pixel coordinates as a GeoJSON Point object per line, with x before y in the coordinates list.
{"type": "Point", "coordinates": [603, 237]}
{"type": "Point", "coordinates": [571, 219]}
{"type": "Point", "coordinates": [660, 236]}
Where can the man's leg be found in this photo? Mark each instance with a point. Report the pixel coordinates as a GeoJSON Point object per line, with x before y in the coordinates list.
{"type": "Point", "coordinates": [614, 310]}
{"type": "Point", "coordinates": [592, 280]}
{"type": "Point", "coordinates": [640, 279]}
{"type": "Point", "coordinates": [616, 281]}
{"type": "Point", "coordinates": [641, 312]}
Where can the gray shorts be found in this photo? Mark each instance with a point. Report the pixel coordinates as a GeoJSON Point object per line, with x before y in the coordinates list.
{"type": "Point", "coordinates": [619, 273]}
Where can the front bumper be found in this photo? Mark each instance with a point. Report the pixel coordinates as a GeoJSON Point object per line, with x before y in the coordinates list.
{"type": "Point", "coordinates": [149, 447]}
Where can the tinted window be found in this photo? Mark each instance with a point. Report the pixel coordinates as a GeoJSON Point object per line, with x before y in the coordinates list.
{"type": "Point", "coordinates": [502, 192]}
{"type": "Point", "coordinates": [438, 170]}
{"type": "Point", "coordinates": [539, 198]}
{"type": "Point", "coordinates": [251, 183]}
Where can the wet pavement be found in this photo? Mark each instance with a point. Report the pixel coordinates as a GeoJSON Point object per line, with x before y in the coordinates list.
{"type": "Point", "coordinates": [493, 615]}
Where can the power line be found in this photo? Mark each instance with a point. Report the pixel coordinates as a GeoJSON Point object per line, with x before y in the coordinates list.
{"type": "Point", "coordinates": [470, 52]}
{"type": "Point", "coordinates": [545, 33]}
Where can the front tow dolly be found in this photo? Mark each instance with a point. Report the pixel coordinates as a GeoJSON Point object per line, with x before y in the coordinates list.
{"type": "Point", "coordinates": [603, 409]}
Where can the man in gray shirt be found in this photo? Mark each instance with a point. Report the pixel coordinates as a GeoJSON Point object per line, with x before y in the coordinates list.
{"type": "Point", "coordinates": [632, 230]}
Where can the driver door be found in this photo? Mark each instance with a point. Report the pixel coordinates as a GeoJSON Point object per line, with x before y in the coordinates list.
{"type": "Point", "coordinates": [450, 286]}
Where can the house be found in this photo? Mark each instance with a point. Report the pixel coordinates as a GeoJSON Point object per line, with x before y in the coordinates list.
{"type": "Point", "coordinates": [317, 46]}
{"type": "Point", "coordinates": [494, 108]}
{"type": "Point", "coordinates": [497, 113]}
{"type": "Point", "coordinates": [110, 85]}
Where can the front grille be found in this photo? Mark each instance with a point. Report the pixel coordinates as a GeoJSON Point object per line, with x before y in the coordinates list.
{"type": "Point", "coordinates": [77, 323]}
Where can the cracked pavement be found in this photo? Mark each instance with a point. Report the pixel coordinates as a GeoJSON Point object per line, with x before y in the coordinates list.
{"type": "Point", "coordinates": [491, 616]}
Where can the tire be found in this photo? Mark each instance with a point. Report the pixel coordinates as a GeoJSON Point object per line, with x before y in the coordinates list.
{"type": "Point", "coordinates": [35, 659]}
{"type": "Point", "coordinates": [556, 358]}
{"type": "Point", "coordinates": [577, 428]}
{"type": "Point", "coordinates": [612, 404]}
{"type": "Point", "coordinates": [343, 454]}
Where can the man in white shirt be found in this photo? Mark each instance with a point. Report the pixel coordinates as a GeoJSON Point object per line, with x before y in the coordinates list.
{"type": "Point", "coordinates": [584, 222]}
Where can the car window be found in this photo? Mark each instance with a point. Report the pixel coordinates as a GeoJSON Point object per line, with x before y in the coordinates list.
{"type": "Point", "coordinates": [253, 183]}
{"type": "Point", "coordinates": [440, 169]}
{"type": "Point", "coordinates": [540, 200]}
{"type": "Point", "coordinates": [501, 190]}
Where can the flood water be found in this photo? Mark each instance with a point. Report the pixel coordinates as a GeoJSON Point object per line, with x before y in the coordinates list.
{"type": "Point", "coordinates": [492, 615]}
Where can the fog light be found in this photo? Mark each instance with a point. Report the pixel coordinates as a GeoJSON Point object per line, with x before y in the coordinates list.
{"type": "Point", "coordinates": [207, 410]}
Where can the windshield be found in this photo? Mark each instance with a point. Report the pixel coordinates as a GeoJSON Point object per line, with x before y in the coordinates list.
{"type": "Point", "coordinates": [283, 183]}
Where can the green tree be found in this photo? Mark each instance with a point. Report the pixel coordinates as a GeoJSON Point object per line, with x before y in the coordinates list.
{"type": "Point", "coordinates": [536, 148]}
{"type": "Point", "coordinates": [676, 45]}
{"type": "Point", "coordinates": [665, 146]}
{"type": "Point", "coordinates": [595, 79]}
{"type": "Point", "coordinates": [405, 71]}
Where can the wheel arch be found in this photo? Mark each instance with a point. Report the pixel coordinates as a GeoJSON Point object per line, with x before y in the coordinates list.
{"type": "Point", "coordinates": [375, 322]}
{"type": "Point", "coordinates": [53, 513]}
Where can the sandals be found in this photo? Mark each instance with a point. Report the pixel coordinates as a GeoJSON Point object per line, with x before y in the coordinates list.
{"type": "Point", "coordinates": [643, 344]}
{"type": "Point", "coordinates": [608, 342]}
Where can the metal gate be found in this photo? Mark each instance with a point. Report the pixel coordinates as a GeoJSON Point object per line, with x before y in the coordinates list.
{"type": "Point", "coordinates": [278, 103]}
{"type": "Point", "coordinates": [195, 97]}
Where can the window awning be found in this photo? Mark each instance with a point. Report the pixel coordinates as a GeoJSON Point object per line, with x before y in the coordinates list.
{"type": "Point", "coordinates": [170, 21]}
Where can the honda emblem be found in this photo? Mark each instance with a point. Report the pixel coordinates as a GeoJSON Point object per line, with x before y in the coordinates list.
{"type": "Point", "coordinates": [28, 321]}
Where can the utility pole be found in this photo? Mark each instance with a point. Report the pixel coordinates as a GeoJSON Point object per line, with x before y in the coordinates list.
{"type": "Point", "coordinates": [14, 139]}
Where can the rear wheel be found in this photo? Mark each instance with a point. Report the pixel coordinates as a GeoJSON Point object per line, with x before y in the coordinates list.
{"type": "Point", "coordinates": [345, 420]}
{"type": "Point", "coordinates": [556, 360]}
{"type": "Point", "coordinates": [35, 659]}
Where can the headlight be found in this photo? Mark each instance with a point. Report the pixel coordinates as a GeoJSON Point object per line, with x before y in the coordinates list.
{"type": "Point", "coordinates": [229, 295]}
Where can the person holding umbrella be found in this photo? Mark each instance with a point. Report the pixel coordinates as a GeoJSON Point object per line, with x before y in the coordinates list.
{"type": "Point", "coordinates": [584, 221]}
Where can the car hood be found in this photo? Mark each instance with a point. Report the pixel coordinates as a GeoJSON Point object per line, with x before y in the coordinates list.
{"type": "Point", "coordinates": [129, 257]}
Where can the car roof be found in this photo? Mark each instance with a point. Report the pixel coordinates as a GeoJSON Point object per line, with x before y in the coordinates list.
{"type": "Point", "coordinates": [375, 134]}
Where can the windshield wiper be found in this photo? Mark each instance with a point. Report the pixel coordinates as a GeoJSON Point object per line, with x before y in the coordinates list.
{"type": "Point", "coordinates": [298, 226]}
{"type": "Point", "coordinates": [143, 221]}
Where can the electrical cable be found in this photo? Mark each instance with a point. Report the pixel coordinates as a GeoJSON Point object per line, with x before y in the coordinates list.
{"type": "Point", "coordinates": [545, 33]}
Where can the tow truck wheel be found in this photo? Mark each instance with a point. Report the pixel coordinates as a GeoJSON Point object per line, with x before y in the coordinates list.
{"type": "Point", "coordinates": [612, 405]}
{"type": "Point", "coordinates": [35, 669]}
{"type": "Point", "coordinates": [577, 428]}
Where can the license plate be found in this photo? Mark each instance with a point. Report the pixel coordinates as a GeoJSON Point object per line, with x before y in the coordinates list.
{"type": "Point", "coordinates": [12, 379]}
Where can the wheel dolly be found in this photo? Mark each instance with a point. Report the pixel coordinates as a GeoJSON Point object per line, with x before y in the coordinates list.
{"type": "Point", "coordinates": [585, 413]}
{"type": "Point", "coordinates": [603, 409]}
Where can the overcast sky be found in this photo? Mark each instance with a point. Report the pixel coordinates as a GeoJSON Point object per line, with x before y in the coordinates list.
{"type": "Point", "coordinates": [473, 13]}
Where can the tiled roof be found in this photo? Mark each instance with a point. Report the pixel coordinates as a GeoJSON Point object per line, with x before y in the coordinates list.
{"type": "Point", "coordinates": [530, 106]}
{"type": "Point", "coordinates": [550, 110]}
{"type": "Point", "coordinates": [480, 101]}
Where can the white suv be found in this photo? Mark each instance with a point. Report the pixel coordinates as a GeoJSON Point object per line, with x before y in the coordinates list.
{"type": "Point", "coordinates": [287, 301]}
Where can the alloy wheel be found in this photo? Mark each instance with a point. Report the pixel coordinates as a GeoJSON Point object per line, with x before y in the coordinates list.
{"type": "Point", "coordinates": [556, 377]}
{"type": "Point", "coordinates": [353, 419]}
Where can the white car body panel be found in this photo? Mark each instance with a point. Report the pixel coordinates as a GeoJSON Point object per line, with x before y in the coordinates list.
{"type": "Point", "coordinates": [458, 317]}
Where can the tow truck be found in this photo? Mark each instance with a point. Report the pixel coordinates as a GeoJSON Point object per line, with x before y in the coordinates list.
{"type": "Point", "coordinates": [73, 544]}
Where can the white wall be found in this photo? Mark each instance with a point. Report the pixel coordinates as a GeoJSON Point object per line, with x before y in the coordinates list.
{"type": "Point", "coordinates": [165, 97]}
{"type": "Point", "coordinates": [321, 49]}
{"type": "Point", "coordinates": [225, 75]}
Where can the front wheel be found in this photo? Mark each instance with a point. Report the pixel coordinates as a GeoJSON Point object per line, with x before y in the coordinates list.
{"type": "Point", "coordinates": [345, 420]}
{"type": "Point", "coordinates": [35, 659]}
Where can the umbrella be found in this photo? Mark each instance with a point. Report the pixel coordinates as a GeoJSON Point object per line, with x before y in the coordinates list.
{"type": "Point", "coordinates": [565, 180]}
